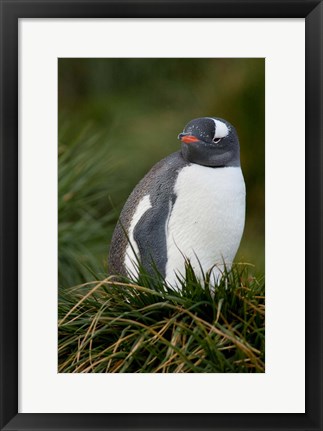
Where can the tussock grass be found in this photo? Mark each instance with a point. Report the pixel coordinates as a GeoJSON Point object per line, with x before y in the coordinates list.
{"type": "Point", "coordinates": [86, 217]}
{"type": "Point", "coordinates": [124, 326]}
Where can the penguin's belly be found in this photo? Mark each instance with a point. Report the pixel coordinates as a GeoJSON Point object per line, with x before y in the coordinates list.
{"type": "Point", "coordinates": [207, 220]}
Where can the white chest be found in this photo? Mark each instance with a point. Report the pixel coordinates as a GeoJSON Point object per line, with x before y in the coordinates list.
{"type": "Point", "coordinates": [207, 221]}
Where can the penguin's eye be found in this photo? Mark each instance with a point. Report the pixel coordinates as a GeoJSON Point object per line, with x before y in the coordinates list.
{"type": "Point", "coordinates": [216, 140]}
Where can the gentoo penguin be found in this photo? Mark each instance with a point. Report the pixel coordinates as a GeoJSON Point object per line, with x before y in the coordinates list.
{"type": "Point", "coordinates": [190, 205]}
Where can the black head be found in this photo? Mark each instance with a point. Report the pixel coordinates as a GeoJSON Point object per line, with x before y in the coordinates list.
{"type": "Point", "coordinates": [210, 142]}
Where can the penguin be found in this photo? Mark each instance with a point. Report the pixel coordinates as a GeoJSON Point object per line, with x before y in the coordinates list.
{"type": "Point", "coordinates": [189, 206]}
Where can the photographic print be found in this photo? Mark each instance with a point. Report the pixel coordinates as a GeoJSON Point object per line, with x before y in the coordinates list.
{"type": "Point", "coordinates": [161, 215]}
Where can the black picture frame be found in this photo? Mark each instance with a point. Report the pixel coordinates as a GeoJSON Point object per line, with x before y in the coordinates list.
{"type": "Point", "coordinates": [11, 12]}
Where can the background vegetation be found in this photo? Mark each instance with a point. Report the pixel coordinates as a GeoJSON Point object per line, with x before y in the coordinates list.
{"type": "Point", "coordinates": [117, 118]}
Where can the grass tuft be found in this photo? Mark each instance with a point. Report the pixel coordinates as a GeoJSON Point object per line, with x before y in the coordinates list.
{"type": "Point", "coordinates": [144, 325]}
{"type": "Point", "coordinates": [86, 217]}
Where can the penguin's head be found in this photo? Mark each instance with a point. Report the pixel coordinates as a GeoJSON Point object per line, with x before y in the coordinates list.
{"type": "Point", "coordinates": [210, 142]}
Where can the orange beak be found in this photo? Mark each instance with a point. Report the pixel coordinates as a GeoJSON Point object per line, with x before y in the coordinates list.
{"type": "Point", "coordinates": [188, 139]}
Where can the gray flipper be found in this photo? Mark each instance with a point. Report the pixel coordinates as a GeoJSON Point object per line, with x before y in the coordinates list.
{"type": "Point", "coordinates": [150, 231]}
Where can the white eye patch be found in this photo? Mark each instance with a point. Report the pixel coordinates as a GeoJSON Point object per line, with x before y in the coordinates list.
{"type": "Point", "coordinates": [221, 129]}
